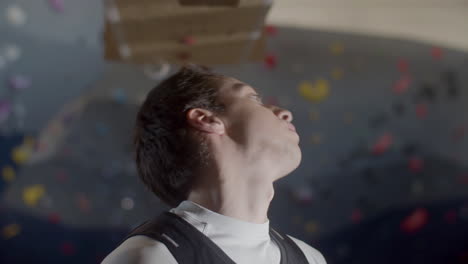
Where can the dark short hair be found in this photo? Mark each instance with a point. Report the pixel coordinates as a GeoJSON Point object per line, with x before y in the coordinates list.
{"type": "Point", "coordinates": [166, 154]}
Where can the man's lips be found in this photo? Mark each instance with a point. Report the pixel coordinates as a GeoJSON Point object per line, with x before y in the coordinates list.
{"type": "Point", "coordinates": [291, 127]}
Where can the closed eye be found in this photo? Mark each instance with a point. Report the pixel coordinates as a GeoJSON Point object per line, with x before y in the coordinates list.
{"type": "Point", "coordinates": [259, 98]}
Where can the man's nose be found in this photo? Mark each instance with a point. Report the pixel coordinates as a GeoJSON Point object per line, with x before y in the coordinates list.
{"type": "Point", "coordinates": [282, 113]}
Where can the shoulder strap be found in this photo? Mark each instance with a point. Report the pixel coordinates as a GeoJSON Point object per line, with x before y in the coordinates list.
{"type": "Point", "coordinates": [290, 251]}
{"type": "Point", "coordinates": [186, 243]}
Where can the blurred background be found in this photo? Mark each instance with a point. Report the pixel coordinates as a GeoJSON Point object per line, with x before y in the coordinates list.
{"type": "Point", "coordinates": [378, 90]}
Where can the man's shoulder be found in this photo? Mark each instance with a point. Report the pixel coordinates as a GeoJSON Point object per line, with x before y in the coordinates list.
{"type": "Point", "coordinates": [313, 255]}
{"type": "Point", "coordinates": [140, 250]}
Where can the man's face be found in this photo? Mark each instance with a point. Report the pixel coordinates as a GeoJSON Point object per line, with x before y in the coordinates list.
{"type": "Point", "coordinates": [262, 132]}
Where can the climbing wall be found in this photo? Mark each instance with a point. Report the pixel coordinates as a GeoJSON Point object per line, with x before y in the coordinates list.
{"type": "Point", "coordinates": [383, 176]}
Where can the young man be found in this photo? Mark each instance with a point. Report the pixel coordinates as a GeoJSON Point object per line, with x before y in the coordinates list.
{"type": "Point", "coordinates": [208, 147]}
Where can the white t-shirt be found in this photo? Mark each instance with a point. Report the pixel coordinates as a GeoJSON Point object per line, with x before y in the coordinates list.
{"type": "Point", "coordinates": [243, 242]}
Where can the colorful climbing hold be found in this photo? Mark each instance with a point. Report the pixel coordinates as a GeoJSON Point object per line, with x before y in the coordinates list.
{"type": "Point", "coordinates": [416, 164]}
{"type": "Point", "coordinates": [11, 231]}
{"type": "Point", "coordinates": [303, 194]}
{"type": "Point", "coordinates": [57, 5]}
{"type": "Point", "coordinates": [32, 194]}
{"type": "Point", "coordinates": [119, 95]}
{"type": "Point", "coordinates": [156, 72]}
{"type": "Point", "coordinates": [112, 14]}
{"type": "Point", "coordinates": [21, 154]}
{"type": "Point", "coordinates": [83, 202]}
{"type": "Point", "coordinates": [315, 92]}
{"type": "Point", "coordinates": [437, 53]}
{"type": "Point", "coordinates": [415, 221]}
{"type": "Point", "coordinates": [270, 61]}
{"type": "Point", "coordinates": [402, 65]}
{"type": "Point", "coordinates": [356, 215]}
{"type": "Point", "coordinates": [336, 48]}
{"type": "Point", "coordinates": [127, 203]}
{"type": "Point", "coordinates": [8, 173]}
{"type": "Point", "coordinates": [271, 30]}
{"type": "Point", "coordinates": [316, 139]}
{"type": "Point", "coordinates": [19, 82]}
{"type": "Point", "coordinates": [5, 110]}
{"type": "Point", "coordinates": [311, 226]}
{"type": "Point", "coordinates": [421, 110]}
{"type": "Point", "coordinates": [15, 15]}
{"type": "Point", "coordinates": [29, 142]}
{"type": "Point", "coordinates": [188, 40]}
{"type": "Point", "coordinates": [382, 144]}
{"type": "Point", "coordinates": [402, 85]}
{"type": "Point", "coordinates": [54, 218]}
{"type": "Point", "coordinates": [67, 248]}
{"type": "Point", "coordinates": [12, 52]}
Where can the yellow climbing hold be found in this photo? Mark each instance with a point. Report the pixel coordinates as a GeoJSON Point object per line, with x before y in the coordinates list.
{"type": "Point", "coordinates": [314, 92]}
{"type": "Point", "coordinates": [29, 141]}
{"type": "Point", "coordinates": [311, 227]}
{"type": "Point", "coordinates": [21, 154]}
{"type": "Point", "coordinates": [32, 194]}
{"type": "Point", "coordinates": [11, 231]}
{"type": "Point", "coordinates": [337, 48]}
{"type": "Point", "coordinates": [8, 173]}
{"type": "Point", "coordinates": [316, 139]}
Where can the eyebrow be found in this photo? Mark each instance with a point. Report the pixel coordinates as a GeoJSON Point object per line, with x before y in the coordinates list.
{"type": "Point", "coordinates": [237, 87]}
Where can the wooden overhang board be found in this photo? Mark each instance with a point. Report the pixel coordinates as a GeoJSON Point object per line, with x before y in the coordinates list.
{"type": "Point", "coordinates": [206, 32]}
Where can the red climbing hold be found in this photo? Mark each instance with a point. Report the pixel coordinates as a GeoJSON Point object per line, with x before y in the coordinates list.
{"type": "Point", "coordinates": [416, 164]}
{"type": "Point", "coordinates": [271, 30]}
{"type": "Point", "coordinates": [437, 53]}
{"type": "Point", "coordinates": [270, 61]}
{"type": "Point", "coordinates": [415, 221]}
{"type": "Point", "coordinates": [402, 65]}
{"type": "Point", "coordinates": [382, 145]}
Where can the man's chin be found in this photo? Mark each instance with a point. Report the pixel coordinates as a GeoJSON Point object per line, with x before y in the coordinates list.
{"type": "Point", "coordinates": [290, 171]}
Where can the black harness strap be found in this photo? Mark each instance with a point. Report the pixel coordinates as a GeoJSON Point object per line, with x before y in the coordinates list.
{"type": "Point", "coordinates": [290, 251]}
{"type": "Point", "coordinates": [190, 246]}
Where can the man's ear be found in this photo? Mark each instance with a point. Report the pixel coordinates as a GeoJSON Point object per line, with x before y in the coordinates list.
{"type": "Point", "coordinates": [204, 120]}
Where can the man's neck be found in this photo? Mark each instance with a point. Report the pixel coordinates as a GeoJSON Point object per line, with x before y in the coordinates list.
{"type": "Point", "coordinates": [245, 202]}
